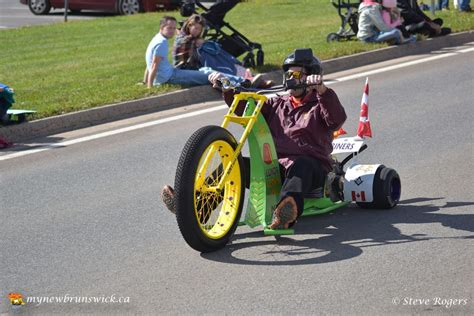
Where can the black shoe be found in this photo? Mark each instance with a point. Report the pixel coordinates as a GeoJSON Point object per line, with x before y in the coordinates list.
{"type": "Point", "coordinates": [445, 31]}
{"type": "Point", "coordinates": [438, 21]}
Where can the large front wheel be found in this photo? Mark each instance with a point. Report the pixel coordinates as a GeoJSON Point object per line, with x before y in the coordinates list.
{"type": "Point", "coordinates": [207, 213]}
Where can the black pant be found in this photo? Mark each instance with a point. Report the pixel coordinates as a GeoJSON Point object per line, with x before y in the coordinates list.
{"type": "Point", "coordinates": [428, 30]}
{"type": "Point", "coordinates": [303, 176]}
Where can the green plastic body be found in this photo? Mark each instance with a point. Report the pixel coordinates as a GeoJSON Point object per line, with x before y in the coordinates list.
{"type": "Point", "coordinates": [265, 182]}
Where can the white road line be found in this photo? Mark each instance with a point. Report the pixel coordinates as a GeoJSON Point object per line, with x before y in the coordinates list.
{"type": "Point", "coordinates": [217, 108]}
{"type": "Point", "coordinates": [110, 133]}
{"type": "Point", "coordinates": [466, 50]}
{"type": "Point", "coordinates": [402, 65]}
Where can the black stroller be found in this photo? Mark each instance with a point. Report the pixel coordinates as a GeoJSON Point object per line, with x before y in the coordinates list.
{"type": "Point", "coordinates": [236, 44]}
{"type": "Point", "coordinates": [347, 10]}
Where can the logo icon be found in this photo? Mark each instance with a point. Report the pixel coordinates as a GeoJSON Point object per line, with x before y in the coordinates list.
{"type": "Point", "coordinates": [16, 300]}
{"type": "Point", "coordinates": [358, 181]}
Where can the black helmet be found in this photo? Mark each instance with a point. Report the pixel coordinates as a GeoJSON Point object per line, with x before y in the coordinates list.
{"type": "Point", "coordinates": [303, 57]}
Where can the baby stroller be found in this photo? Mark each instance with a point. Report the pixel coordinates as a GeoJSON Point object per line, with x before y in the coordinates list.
{"type": "Point", "coordinates": [231, 40]}
{"type": "Point", "coordinates": [347, 10]}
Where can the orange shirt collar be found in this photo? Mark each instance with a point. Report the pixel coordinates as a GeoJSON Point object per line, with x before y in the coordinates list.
{"type": "Point", "coordinates": [296, 103]}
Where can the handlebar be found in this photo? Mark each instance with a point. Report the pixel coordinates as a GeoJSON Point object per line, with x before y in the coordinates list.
{"type": "Point", "coordinates": [272, 89]}
{"type": "Point", "coordinates": [226, 84]}
{"type": "Point", "coordinates": [291, 84]}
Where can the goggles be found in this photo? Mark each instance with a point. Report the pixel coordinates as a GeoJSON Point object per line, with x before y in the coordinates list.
{"type": "Point", "coordinates": [294, 74]}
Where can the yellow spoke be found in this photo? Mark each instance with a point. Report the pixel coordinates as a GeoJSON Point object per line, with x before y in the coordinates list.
{"type": "Point", "coordinates": [216, 198]}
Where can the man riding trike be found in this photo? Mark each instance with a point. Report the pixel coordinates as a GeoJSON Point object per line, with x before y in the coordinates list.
{"type": "Point", "coordinates": [290, 168]}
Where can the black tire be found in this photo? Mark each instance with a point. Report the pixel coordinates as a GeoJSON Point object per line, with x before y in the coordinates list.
{"type": "Point", "coordinates": [387, 189]}
{"type": "Point", "coordinates": [332, 37]}
{"type": "Point", "coordinates": [188, 207]}
{"type": "Point", "coordinates": [260, 57]}
{"type": "Point", "coordinates": [39, 7]}
{"type": "Point", "coordinates": [129, 7]}
{"type": "Point", "coordinates": [248, 61]}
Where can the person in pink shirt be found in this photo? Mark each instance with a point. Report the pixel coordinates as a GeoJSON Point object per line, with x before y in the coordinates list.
{"type": "Point", "coordinates": [390, 13]}
{"type": "Point", "coordinates": [392, 17]}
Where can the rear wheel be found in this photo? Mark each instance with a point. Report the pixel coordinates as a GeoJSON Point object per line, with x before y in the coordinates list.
{"type": "Point", "coordinates": [386, 189]}
{"type": "Point", "coordinates": [332, 37]}
{"type": "Point", "coordinates": [129, 7]}
{"type": "Point", "coordinates": [207, 217]}
{"type": "Point", "coordinates": [39, 7]}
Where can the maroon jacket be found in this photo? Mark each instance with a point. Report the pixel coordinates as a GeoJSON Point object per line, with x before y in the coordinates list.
{"type": "Point", "coordinates": [304, 130]}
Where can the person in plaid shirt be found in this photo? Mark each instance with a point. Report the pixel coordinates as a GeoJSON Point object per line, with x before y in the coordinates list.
{"type": "Point", "coordinates": [186, 43]}
{"type": "Point", "coordinates": [159, 70]}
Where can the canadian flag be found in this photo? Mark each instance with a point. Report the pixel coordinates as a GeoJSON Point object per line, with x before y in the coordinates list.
{"type": "Point", "coordinates": [358, 196]}
{"type": "Point", "coordinates": [364, 123]}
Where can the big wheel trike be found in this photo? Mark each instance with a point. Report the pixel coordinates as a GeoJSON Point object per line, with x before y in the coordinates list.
{"type": "Point", "coordinates": [210, 183]}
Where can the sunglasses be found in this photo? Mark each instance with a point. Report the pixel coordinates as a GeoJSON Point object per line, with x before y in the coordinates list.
{"type": "Point", "coordinates": [294, 74]}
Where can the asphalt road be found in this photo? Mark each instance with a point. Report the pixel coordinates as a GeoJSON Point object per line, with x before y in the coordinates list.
{"type": "Point", "coordinates": [85, 219]}
{"type": "Point", "coordinates": [13, 14]}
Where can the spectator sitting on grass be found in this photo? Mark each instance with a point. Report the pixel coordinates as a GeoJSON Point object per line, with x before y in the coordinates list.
{"type": "Point", "coordinates": [373, 29]}
{"type": "Point", "coordinates": [190, 51]}
{"type": "Point", "coordinates": [160, 71]}
{"type": "Point", "coordinates": [415, 21]}
{"type": "Point", "coordinates": [392, 17]}
{"type": "Point", "coordinates": [187, 42]}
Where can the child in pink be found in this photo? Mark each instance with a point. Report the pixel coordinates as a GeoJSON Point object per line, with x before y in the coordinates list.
{"type": "Point", "coordinates": [390, 13]}
{"type": "Point", "coordinates": [392, 17]}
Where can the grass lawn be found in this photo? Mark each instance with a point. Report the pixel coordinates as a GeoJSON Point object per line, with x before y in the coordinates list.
{"type": "Point", "coordinates": [66, 67]}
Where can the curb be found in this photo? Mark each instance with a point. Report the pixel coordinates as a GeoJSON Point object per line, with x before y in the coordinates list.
{"type": "Point", "coordinates": [107, 113]}
{"type": "Point", "coordinates": [113, 112]}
